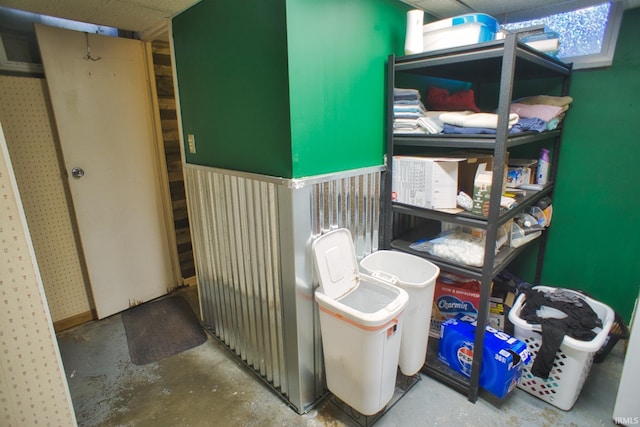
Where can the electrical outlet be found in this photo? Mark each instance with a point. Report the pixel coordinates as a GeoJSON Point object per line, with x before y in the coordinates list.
{"type": "Point", "coordinates": [191, 140]}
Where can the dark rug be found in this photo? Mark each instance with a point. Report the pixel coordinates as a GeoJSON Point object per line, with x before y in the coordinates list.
{"type": "Point", "coordinates": [161, 328]}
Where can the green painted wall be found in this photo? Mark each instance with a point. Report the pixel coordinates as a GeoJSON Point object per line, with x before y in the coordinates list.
{"type": "Point", "coordinates": [231, 64]}
{"type": "Point", "coordinates": [298, 90]}
{"type": "Point", "coordinates": [593, 241]}
{"type": "Point", "coordinates": [337, 55]}
{"type": "Point", "coordinates": [288, 88]}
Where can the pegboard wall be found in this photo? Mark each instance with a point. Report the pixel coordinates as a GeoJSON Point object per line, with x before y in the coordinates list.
{"type": "Point", "coordinates": [30, 134]}
{"type": "Point", "coordinates": [33, 388]}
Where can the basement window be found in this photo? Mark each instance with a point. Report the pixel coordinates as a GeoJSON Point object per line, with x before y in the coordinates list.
{"type": "Point", "coordinates": [19, 53]}
{"type": "Point", "coordinates": [588, 35]}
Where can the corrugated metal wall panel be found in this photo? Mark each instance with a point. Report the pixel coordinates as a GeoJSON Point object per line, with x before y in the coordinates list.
{"type": "Point", "coordinates": [350, 202]}
{"type": "Point", "coordinates": [237, 220]}
{"type": "Point", "coordinates": [237, 264]}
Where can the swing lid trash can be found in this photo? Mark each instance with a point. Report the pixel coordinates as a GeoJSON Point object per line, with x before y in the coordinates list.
{"type": "Point", "coordinates": [361, 321]}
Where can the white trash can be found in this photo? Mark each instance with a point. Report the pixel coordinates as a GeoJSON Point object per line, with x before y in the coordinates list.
{"type": "Point", "coordinates": [361, 320]}
{"type": "Point", "coordinates": [417, 276]}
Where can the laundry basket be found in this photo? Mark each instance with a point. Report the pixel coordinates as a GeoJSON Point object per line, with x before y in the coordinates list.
{"type": "Point", "coordinates": [573, 359]}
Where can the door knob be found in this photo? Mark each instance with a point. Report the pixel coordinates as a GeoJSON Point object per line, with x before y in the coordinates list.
{"type": "Point", "coordinates": [77, 172]}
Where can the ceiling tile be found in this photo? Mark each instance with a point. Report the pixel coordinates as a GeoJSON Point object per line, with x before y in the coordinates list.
{"type": "Point", "coordinates": [132, 15]}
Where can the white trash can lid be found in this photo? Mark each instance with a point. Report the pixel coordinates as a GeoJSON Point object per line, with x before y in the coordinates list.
{"type": "Point", "coordinates": [336, 263]}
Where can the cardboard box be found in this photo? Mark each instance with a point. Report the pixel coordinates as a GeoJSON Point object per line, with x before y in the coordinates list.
{"type": "Point", "coordinates": [517, 176]}
{"type": "Point", "coordinates": [434, 188]}
{"type": "Point", "coordinates": [528, 168]}
{"type": "Point", "coordinates": [503, 356]}
{"type": "Point", "coordinates": [469, 166]}
{"type": "Point", "coordinates": [481, 193]}
{"type": "Point", "coordinates": [426, 182]}
{"type": "Point", "coordinates": [453, 295]}
{"type": "Point", "coordinates": [500, 303]}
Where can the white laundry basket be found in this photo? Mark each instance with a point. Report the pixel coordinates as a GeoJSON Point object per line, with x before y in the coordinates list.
{"type": "Point", "coordinates": [573, 359]}
{"type": "Point", "coordinates": [417, 276]}
{"type": "Point", "coordinates": [361, 321]}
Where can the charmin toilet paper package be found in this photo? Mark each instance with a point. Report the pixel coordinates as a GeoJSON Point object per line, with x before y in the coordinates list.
{"type": "Point", "coordinates": [454, 295]}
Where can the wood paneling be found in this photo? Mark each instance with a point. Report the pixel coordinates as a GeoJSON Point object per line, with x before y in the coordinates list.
{"type": "Point", "coordinates": [169, 121]}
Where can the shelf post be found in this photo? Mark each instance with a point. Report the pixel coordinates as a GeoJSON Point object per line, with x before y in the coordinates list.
{"type": "Point", "coordinates": [386, 211]}
{"type": "Point", "coordinates": [499, 158]}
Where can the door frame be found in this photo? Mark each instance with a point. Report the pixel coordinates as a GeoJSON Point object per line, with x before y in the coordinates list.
{"type": "Point", "coordinates": [161, 163]}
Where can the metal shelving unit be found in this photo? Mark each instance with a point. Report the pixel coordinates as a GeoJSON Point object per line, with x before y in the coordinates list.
{"type": "Point", "coordinates": [501, 63]}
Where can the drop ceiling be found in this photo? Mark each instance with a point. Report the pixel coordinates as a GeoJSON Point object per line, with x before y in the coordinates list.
{"type": "Point", "coordinates": [132, 15]}
{"type": "Point", "coordinates": [143, 15]}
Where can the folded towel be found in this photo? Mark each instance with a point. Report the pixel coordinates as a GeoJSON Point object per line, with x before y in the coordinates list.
{"type": "Point", "coordinates": [431, 125]}
{"type": "Point", "coordinates": [531, 124]}
{"type": "Point", "coordinates": [405, 123]}
{"type": "Point", "coordinates": [400, 93]}
{"type": "Point", "coordinates": [540, 111]}
{"type": "Point", "coordinates": [401, 115]}
{"type": "Point", "coordinates": [475, 120]}
{"type": "Point", "coordinates": [451, 129]}
{"type": "Point", "coordinates": [410, 131]}
{"type": "Point", "coordinates": [408, 109]}
{"type": "Point", "coordinates": [558, 101]}
{"type": "Point", "coordinates": [411, 101]}
{"type": "Point", "coordinates": [523, 125]}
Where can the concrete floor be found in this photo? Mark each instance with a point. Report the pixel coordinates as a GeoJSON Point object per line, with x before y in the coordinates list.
{"type": "Point", "coordinates": [208, 386]}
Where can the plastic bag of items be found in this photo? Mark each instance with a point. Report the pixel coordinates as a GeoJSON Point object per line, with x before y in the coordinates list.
{"type": "Point", "coordinates": [459, 244]}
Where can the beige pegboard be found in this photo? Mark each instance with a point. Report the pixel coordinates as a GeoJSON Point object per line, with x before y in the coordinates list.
{"type": "Point", "coordinates": [29, 130]}
{"type": "Point", "coordinates": [33, 388]}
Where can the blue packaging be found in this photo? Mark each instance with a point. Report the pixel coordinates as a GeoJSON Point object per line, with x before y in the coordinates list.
{"type": "Point", "coordinates": [503, 356]}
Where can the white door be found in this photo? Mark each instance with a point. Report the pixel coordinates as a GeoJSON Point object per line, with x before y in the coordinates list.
{"type": "Point", "coordinates": [102, 109]}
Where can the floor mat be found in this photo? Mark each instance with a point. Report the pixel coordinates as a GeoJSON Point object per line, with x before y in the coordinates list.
{"type": "Point", "coordinates": [161, 328]}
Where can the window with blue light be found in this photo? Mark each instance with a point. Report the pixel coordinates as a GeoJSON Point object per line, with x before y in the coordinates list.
{"type": "Point", "coordinates": [587, 35]}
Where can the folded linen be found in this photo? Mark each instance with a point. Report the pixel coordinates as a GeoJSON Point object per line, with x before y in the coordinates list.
{"type": "Point", "coordinates": [407, 126]}
{"type": "Point", "coordinates": [475, 120]}
{"type": "Point", "coordinates": [531, 124]}
{"type": "Point", "coordinates": [431, 125]}
{"type": "Point", "coordinates": [523, 125]}
{"type": "Point", "coordinates": [400, 93]}
{"type": "Point", "coordinates": [541, 111]}
{"type": "Point", "coordinates": [558, 101]}
{"type": "Point", "coordinates": [410, 131]}
{"type": "Point", "coordinates": [409, 101]}
{"type": "Point", "coordinates": [459, 130]}
{"type": "Point", "coordinates": [408, 109]}
{"type": "Point", "coordinates": [405, 123]}
{"type": "Point", "coordinates": [401, 115]}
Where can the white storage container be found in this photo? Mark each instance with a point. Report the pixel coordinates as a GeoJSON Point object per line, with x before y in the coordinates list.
{"type": "Point", "coordinates": [459, 31]}
{"type": "Point", "coordinates": [361, 320]}
{"type": "Point", "coordinates": [417, 276]}
{"type": "Point", "coordinates": [573, 359]}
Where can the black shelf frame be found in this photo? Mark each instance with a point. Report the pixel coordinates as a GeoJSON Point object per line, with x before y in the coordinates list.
{"type": "Point", "coordinates": [504, 256]}
{"type": "Point", "coordinates": [471, 219]}
{"type": "Point", "coordinates": [479, 142]}
{"type": "Point", "coordinates": [503, 62]}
